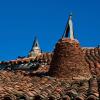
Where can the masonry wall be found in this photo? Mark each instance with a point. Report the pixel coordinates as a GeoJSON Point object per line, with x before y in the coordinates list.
{"type": "Point", "coordinates": [68, 61]}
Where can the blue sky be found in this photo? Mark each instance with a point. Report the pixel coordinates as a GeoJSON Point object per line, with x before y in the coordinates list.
{"type": "Point", "coordinates": [21, 20]}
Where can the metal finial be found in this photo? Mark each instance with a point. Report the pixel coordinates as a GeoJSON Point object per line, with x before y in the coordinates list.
{"type": "Point", "coordinates": [70, 16]}
{"type": "Point", "coordinates": [69, 28]}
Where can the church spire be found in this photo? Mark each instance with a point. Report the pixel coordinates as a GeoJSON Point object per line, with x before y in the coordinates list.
{"type": "Point", "coordinates": [35, 44]}
{"type": "Point", "coordinates": [69, 31]}
{"type": "Point", "coordinates": [35, 50]}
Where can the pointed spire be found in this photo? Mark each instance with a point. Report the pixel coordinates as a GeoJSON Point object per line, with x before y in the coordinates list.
{"type": "Point", "coordinates": [35, 44]}
{"type": "Point", "coordinates": [35, 48]}
{"type": "Point", "coordinates": [69, 28]}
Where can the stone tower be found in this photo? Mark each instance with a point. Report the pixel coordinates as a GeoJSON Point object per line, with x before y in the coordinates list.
{"type": "Point", "coordinates": [68, 60]}
{"type": "Point", "coordinates": [35, 51]}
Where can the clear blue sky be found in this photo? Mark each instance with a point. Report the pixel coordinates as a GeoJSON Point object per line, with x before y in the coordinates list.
{"type": "Point", "coordinates": [21, 20]}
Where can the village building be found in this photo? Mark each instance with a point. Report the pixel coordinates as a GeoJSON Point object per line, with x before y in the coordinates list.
{"type": "Point", "coordinates": [70, 72]}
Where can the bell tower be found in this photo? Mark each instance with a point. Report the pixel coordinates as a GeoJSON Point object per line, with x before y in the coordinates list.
{"type": "Point", "coordinates": [35, 51]}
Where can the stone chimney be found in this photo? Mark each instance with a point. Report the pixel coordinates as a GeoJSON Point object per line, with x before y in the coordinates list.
{"type": "Point", "coordinates": [68, 60]}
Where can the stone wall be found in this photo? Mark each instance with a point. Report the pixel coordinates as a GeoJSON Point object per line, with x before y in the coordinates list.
{"type": "Point", "coordinates": [68, 61]}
